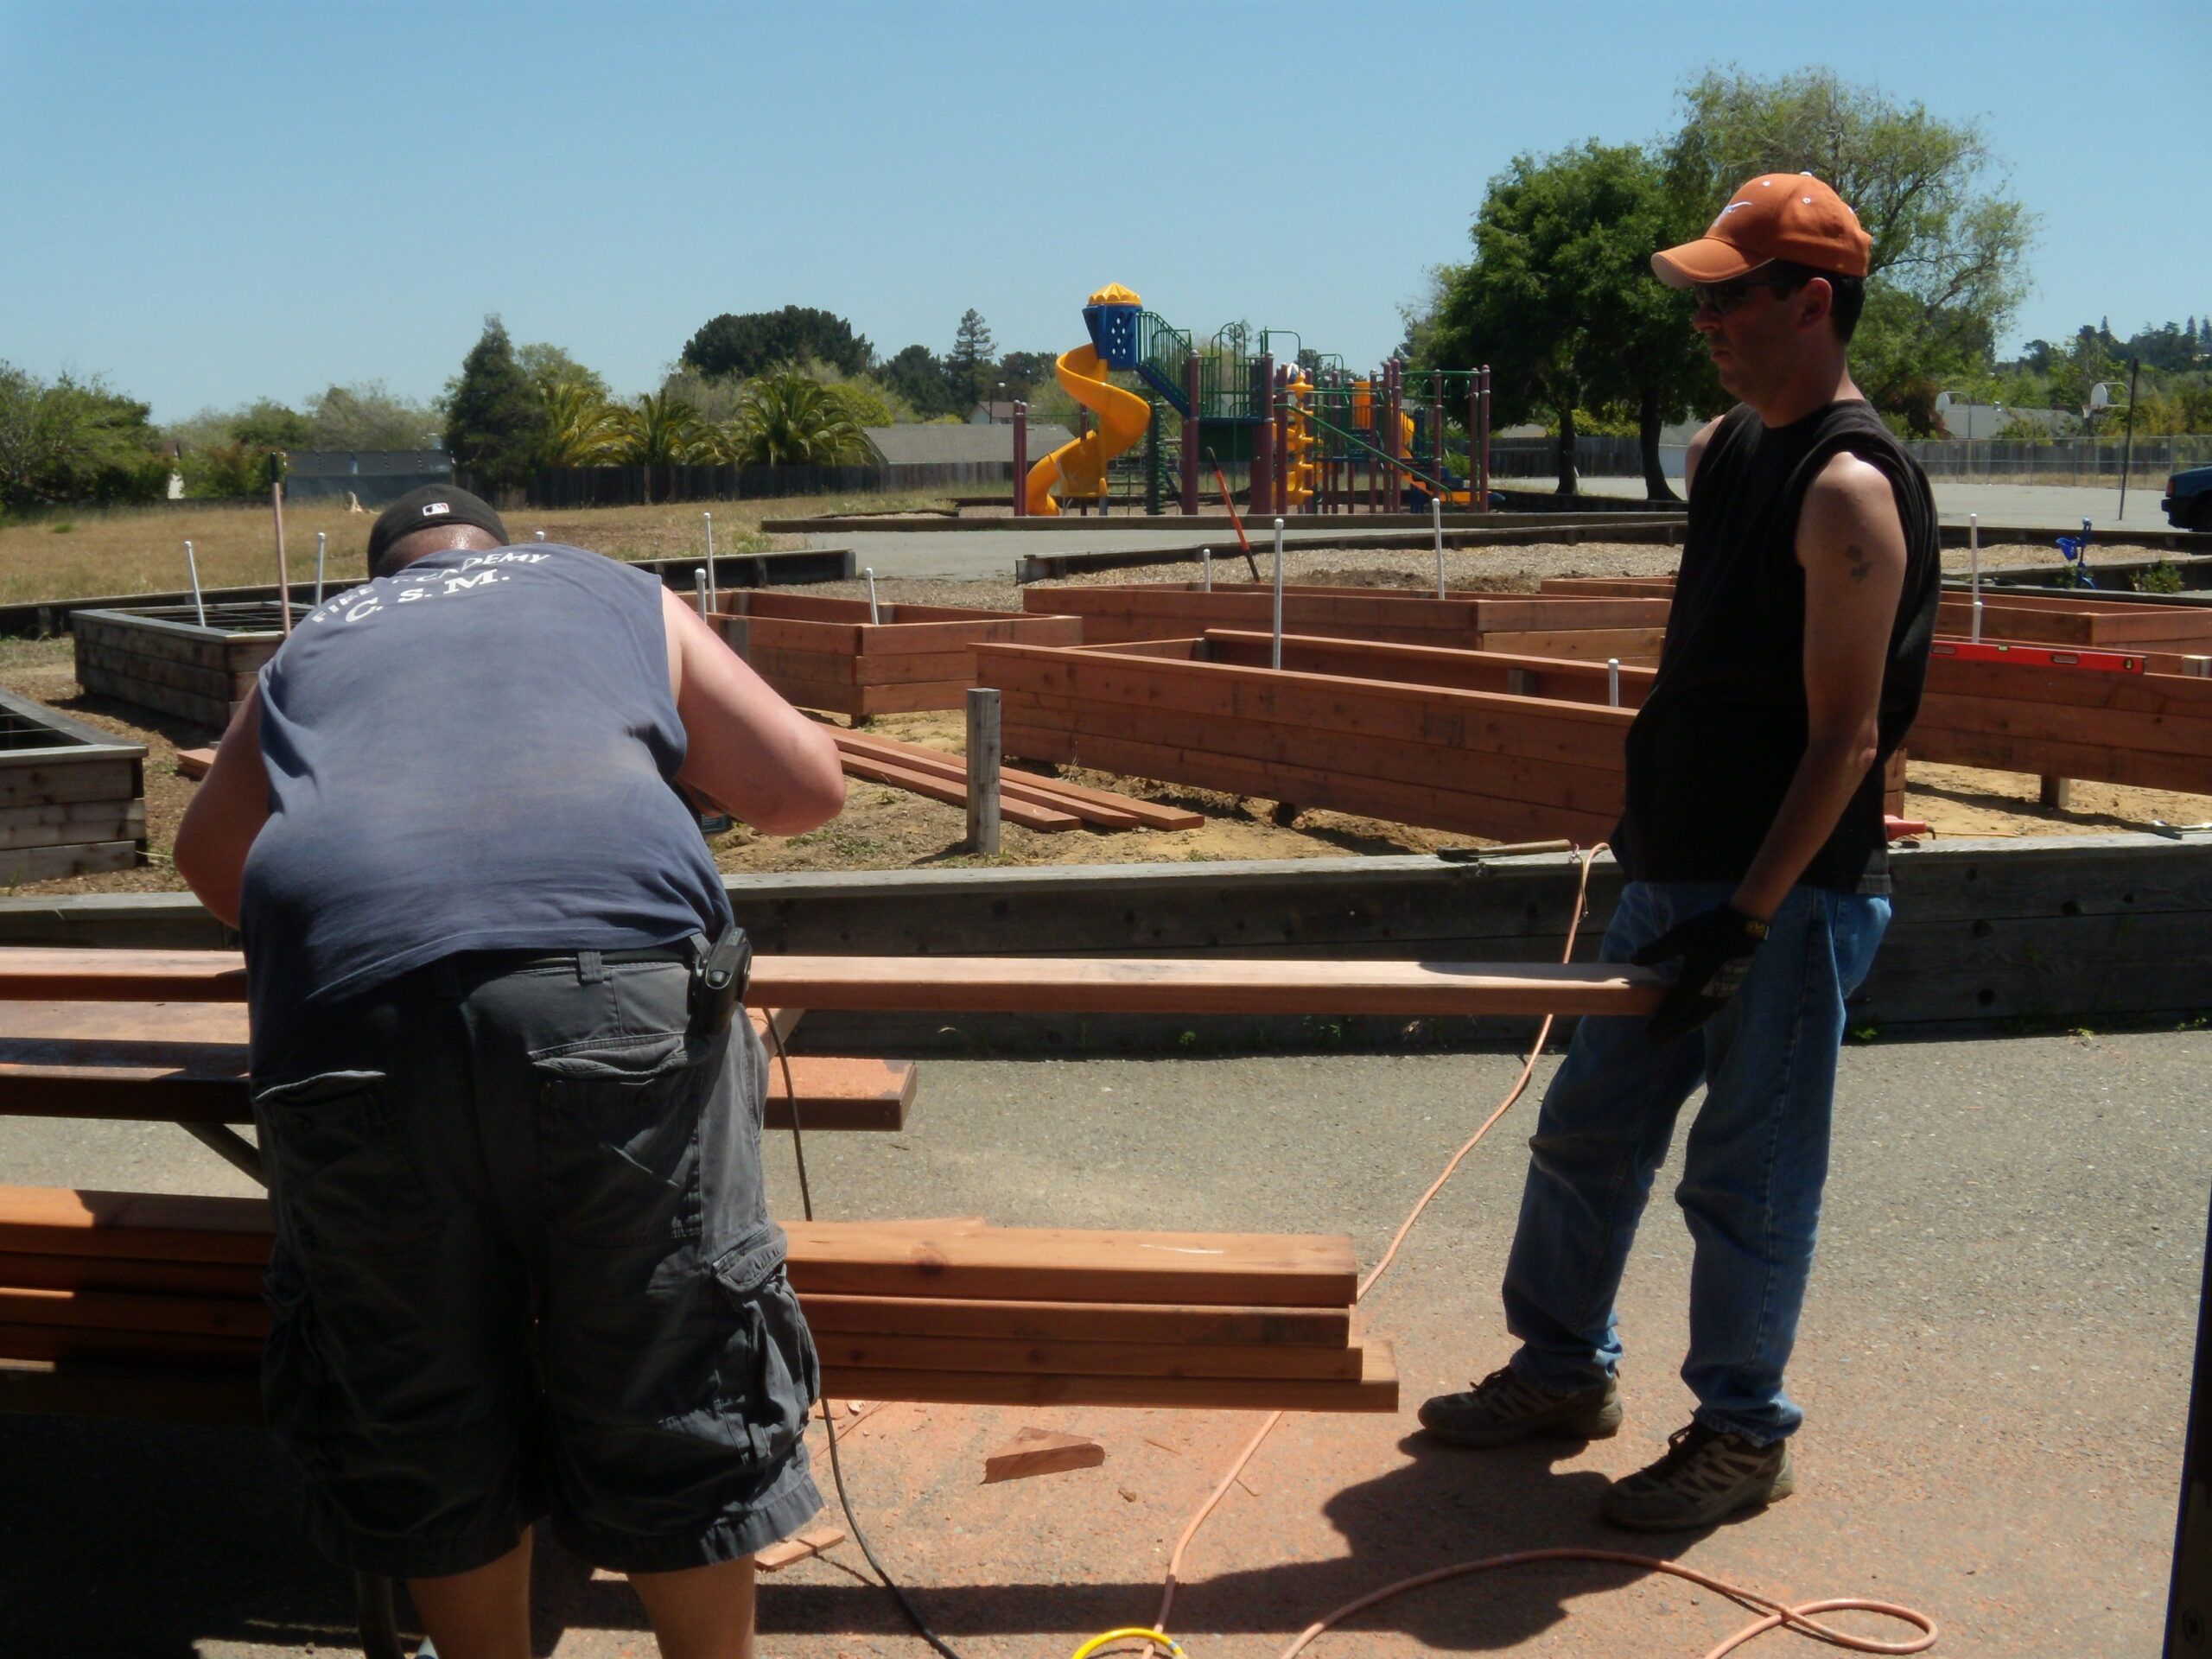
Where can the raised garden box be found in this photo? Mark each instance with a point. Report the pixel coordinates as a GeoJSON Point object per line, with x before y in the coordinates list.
{"type": "Point", "coordinates": [72, 797]}
{"type": "Point", "coordinates": [165, 657]}
{"type": "Point", "coordinates": [1530, 625]}
{"type": "Point", "coordinates": [825, 653]}
{"type": "Point", "coordinates": [1491, 744]}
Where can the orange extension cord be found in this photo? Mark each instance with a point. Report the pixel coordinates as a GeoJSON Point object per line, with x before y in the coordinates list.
{"type": "Point", "coordinates": [1773, 1614]}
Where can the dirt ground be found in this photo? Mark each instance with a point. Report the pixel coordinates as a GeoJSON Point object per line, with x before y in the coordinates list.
{"type": "Point", "coordinates": [884, 829]}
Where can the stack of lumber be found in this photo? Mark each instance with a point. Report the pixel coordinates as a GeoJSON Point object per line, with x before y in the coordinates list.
{"type": "Point", "coordinates": [825, 653]}
{"type": "Point", "coordinates": [1035, 803]}
{"type": "Point", "coordinates": [1590, 628]}
{"type": "Point", "coordinates": [2152, 731]}
{"type": "Point", "coordinates": [152, 1061]}
{"type": "Point", "coordinates": [955, 1311]}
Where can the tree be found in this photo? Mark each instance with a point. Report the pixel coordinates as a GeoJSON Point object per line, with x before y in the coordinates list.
{"type": "Point", "coordinates": [973, 366]}
{"type": "Point", "coordinates": [73, 441]}
{"type": "Point", "coordinates": [1024, 372]}
{"type": "Point", "coordinates": [548, 366]}
{"type": "Point", "coordinates": [269, 425]}
{"type": "Point", "coordinates": [367, 417]}
{"type": "Point", "coordinates": [581, 428]}
{"type": "Point", "coordinates": [656, 431]}
{"type": "Point", "coordinates": [495, 418]}
{"type": "Point", "coordinates": [749, 343]}
{"type": "Point", "coordinates": [1560, 300]}
{"type": "Point", "coordinates": [1946, 269]}
{"type": "Point", "coordinates": [919, 376]}
{"type": "Point", "coordinates": [791, 419]}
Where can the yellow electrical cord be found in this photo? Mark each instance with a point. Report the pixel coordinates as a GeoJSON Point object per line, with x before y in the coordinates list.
{"type": "Point", "coordinates": [1133, 1634]}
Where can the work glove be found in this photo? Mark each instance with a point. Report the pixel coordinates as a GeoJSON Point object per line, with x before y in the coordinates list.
{"type": "Point", "coordinates": [1716, 947]}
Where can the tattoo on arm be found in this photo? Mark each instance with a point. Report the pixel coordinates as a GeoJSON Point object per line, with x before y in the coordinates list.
{"type": "Point", "coordinates": [1862, 565]}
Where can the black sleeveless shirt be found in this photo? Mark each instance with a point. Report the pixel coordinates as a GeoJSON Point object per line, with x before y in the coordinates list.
{"type": "Point", "coordinates": [1719, 737]}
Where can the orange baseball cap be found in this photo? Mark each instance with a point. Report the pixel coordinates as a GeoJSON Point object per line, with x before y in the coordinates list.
{"type": "Point", "coordinates": [1789, 216]}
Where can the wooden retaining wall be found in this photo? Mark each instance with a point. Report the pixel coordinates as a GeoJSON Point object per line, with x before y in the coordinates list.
{"type": "Point", "coordinates": [162, 659]}
{"type": "Point", "coordinates": [824, 654]}
{"type": "Point", "coordinates": [1529, 625]}
{"type": "Point", "coordinates": [72, 797]}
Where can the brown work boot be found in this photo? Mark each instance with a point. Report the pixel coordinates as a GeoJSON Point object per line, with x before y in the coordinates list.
{"type": "Point", "coordinates": [1706, 1477]}
{"type": "Point", "coordinates": [1505, 1409]}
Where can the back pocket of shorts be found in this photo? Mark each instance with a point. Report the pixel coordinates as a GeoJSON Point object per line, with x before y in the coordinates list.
{"type": "Point", "coordinates": [348, 1183]}
{"type": "Point", "coordinates": [618, 1138]}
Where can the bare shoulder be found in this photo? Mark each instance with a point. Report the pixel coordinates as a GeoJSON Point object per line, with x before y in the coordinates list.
{"type": "Point", "coordinates": [1850, 507]}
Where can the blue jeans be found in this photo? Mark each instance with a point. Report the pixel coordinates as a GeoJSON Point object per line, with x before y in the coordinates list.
{"type": "Point", "coordinates": [1751, 1175]}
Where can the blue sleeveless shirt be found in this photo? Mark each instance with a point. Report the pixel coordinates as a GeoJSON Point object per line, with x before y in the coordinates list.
{"type": "Point", "coordinates": [475, 754]}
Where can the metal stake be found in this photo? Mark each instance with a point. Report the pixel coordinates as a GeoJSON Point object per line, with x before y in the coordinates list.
{"type": "Point", "coordinates": [192, 565]}
{"type": "Point", "coordinates": [709, 517]}
{"type": "Point", "coordinates": [874, 614]}
{"type": "Point", "coordinates": [1274, 658]}
{"type": "Point", "coordinates": [1205, 570]}
{"type": "Point", "coordinates": [283, 576]}
{"type": "Point", "coordinates": [1436, 515]}
{"type": "Point", "coordinates": [321, 547]}
{"type": "Point", "coordinates": [541, 535]}
{"type": "Point", "coordinates": [1973, 544]}
{"type": "Point", "coordinates": [699, 591]}
{"type": "Point", "coordinates": [1612, 682]}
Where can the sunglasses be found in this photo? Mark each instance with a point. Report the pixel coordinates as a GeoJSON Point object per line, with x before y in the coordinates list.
{"type": "Point", "coordinates": [1725, 297]}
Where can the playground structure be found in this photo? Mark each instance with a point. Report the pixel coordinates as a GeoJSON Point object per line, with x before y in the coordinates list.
{"type": "Point", "coordinates": [1312, 436]}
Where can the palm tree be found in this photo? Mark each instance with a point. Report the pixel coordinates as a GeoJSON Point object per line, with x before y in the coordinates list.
{"type": "Point", "coordinates": [789, 419]}
{"type": "Point", "coordinates": [656, 431]}
{"type": "Point", "coordinates": [581, 427]}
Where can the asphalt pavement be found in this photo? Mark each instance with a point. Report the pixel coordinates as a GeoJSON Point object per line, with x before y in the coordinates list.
{"type": "Point", "coordinates": [1994, 1361]}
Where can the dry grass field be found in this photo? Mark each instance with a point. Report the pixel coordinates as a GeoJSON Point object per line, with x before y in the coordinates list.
{"type": "Point", "coordinates": [72, 554]}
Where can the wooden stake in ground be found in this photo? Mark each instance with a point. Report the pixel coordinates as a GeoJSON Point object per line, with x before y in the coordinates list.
{"type": "Point", "coordinates": [284, 575]}
{"type": "Point", "coordinates": [983, 752]}
{"type": "Point", "coordinates": [1041, 1451]}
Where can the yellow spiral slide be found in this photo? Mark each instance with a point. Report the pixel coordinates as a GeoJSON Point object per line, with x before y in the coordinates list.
{"type": "Point", "coordinates": [1078, 469]}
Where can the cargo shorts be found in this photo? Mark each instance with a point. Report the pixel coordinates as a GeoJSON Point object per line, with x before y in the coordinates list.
{"type": "Point", "coordinates": [525, 1268]}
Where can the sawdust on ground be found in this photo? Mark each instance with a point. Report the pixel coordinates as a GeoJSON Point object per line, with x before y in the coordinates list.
{"type": "Point", "coordinates": [883, 828]}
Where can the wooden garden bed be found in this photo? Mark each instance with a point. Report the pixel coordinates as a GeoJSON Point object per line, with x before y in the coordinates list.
{"type": "Point", "coordinates": [1528, 625]}
{"type": "Point", "coordinates": [1415, 734]}
{"type": "Point", "coordinates": [72, 799]}
{"type": "Point", "coordinates": [824, 654]}
{"type": "Point", "coordinates": [165, 658]}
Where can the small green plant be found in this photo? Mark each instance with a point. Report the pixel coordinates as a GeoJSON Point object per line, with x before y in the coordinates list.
{"type": "Point", "coordinates": [1865, 1033]}
{"type": "Point", "coordinates": [2163, 577]}
{"type": "Point", "coordinates": [1188, 1039]}
{"type": "Point", "coordinates": [63, 527]}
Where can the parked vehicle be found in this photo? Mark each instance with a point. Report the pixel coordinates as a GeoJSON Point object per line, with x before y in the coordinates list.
{"type": "Point", "coordinates": [2189, 500]}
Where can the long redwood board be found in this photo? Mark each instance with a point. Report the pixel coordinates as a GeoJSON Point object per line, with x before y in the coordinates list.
{"type": "Point", "coordinates": [973, 984]}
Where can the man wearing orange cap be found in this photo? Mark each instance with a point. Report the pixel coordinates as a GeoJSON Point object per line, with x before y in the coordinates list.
{"type": "Point", "coordinates": [1758, 878]}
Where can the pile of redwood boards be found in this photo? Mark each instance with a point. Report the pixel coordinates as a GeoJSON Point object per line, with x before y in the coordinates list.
{"type": "Point", "coordinates": [185, 1062]}
{"type": "Point", "coordinates": [1528, 624]}
{"type": "Point", "coordinates": [102, 1294]}
{"type": "Point", "coordinates": [1034, 802]}
{"type": "Point", "coordinates": [834, 654]}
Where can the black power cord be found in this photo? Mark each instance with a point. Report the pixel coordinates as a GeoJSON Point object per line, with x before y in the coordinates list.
{"type": "Point", "coordinates": [829, 1418]}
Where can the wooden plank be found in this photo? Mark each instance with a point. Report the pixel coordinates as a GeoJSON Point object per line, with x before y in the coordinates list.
{"type": "Point", "coordinates": [195, 763]}
{"type": "Point", "coordinates": [73, 825]}
{"type": "Point", "coordinates": [81, 858]}
{"type": "Point", "coordinates": [63, 1221]}
{"type": "Point", "coordinates": [210, 712]}
{"type": "Point", "coordinates": [846, 1349]}
{"type": "Point", "coordinates": [244, 1319]}
{"type": "Point", "coordinates": [92, 630]}
{"type": "Point", "coordinates": [30, 782]}
{"type": "Point", "coordinates": [205, 682]}
{"type": "Point", "coordinates": [2142, 769]}
{"type": "Point", "coordinates": [158, 1394]}
{"type": "Point", "coordinates": [1032, 1321]}
{"type": "Point", "coordinates": [983, 984]}
{"type": "Point", "coordinates": [1638, 645]}
{"type": "Point", "coordinates": [1377, 1389]}
{"type": "Point", "coordinates": [1093, 805]}
{"type": "Point", "coordinates": [2067, 722]}
{"type": "Point", "coordinates": [2180, 696]}
{"type": "Point", "coordinates": [1034, 1451]}
{"type": "Point", "coordinates": [801, 1546]}
{"type": "Point", "coordinates": [1555, 679]}
{"type": "Point", "coordinates": [903, 638]}
{"type": "Point", "coordinates": [914, 698]}
{"type": "Point", "coordinates": [123, 1275]}
{"type": "Point", "coordinates": [1297, 751]}
{"type": "Point", "coordinates": [1045, 819]}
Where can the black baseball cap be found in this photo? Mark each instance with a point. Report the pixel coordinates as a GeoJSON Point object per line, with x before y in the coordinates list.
{"type": "Point", "coordinates": [434, 506]}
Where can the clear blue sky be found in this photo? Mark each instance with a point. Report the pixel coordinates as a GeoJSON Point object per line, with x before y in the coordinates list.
{"type": "Point", "coordinates": [207, 203]}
